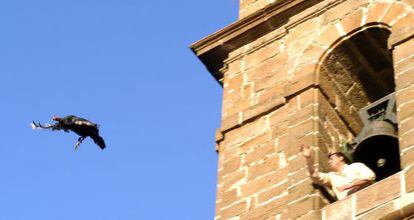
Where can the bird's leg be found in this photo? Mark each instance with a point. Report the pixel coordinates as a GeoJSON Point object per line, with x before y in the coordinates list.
{"type": "Point", "coordinates": [80, 139]}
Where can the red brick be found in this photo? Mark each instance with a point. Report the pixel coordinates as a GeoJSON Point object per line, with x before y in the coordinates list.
{"type": "Point", "coordinates": [298, 176]}
{"type": "Point", "coordinates": [352, 21]}
{"type": "Point", "coordinates": [339, 210]}
{"type": "Point", "coordinates": [404, 65]}
{"type": "Point", "coordinates": [233, 210]}
{"type": "Point", "coordinates": [229, 180]}
{"type": "Point", "coordinates": [297, 46]}
{"type": "Point", "coordinates": [388, 211]}
{"type": "Point", "coordinates": [255, 142]}
{"type": "Point", "coordinates": [260, 153]}
{"type": "Point", "coordinates": [313, 215]}
{"type": "Point", "coordinates": [405, 111]}
{"type": "Point", "coordinates": [375, 13]}
{"type": "Point", "coordinates": [402, 29]}
{"type": "Point", "coordinates": [313, 53]}
{"type": "Point", "coordinates": [404, 50]}
{"type": "Point", "coordinates": [407, 157]}
{"type": "Point", "coordinates": [272, 192]}
{"type": "Point", "coordinates": [296, 163]}
{"type": "Point", "coordinates": [300, 130]}
{"type": "Point", "coordinates": [393, 12]}
{"type": "Point", "coordinates": [229, 197]}
{"type": "Point", "coordinates": [407, 138]}
{"type": "Point", "coordinates": [341, 10]}
{"type": "Point", "coordinates": [271, 93]}
{"type": "Point", "coordinates": [406, 126]}
{"type": "Point", "coordinates": [276, 101]}
{"type": "Point", "coordinates": [302, 115]}
{"type": "Point", "coordinates": [409, 179]}
{"type": "Point", "coordinates": [304, 28]}
{"type": "Point", "coordinates": [233, 68]}
{"type": "Point", "coordinates": [230, 122]}
{"type": "Point", "coordinates": [294, 146]}
{"type": "Point", "coordinates": [308, 98]}
{"type": "Point", "coordinates": [303, 206]}
{"type": "Point", "coordinates": [279, 119]}
{"type": "Point", "coordinates": [405, 95]}
{"type": "Point", "coordinates": [244, 133]}
{"type": "Point", "coordinates": [266, 211]}
{"type": "Point", "coordinates": [228, 153]}
{"type": "Point", "coordinates": [263, 183]}
{"type": "Point", "coordinates": [300, 190]}
{"type": "Point", "coordinates": [379, 193]}
{"type": "Point", "coordinates": [405, 79]}
{"type": "Point", "coordinates": [231, 165]}
{"type": "Point", "coordinates": [328, 36]}
{"type": "Point", "coordinates": [269, 165]}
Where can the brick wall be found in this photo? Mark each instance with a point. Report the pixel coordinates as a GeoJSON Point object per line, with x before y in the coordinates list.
{"type": "Point", "coordinates": [277, 96]}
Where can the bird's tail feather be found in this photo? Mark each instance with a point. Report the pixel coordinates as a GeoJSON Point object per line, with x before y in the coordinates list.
{"type": "Point", "coordinates": [99, 141]}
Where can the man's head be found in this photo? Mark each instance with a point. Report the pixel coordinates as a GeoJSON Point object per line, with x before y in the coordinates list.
{"type": "Point", "coordinates": [55, 118]}
{"type": "Point", "coordinates": [337, 160]}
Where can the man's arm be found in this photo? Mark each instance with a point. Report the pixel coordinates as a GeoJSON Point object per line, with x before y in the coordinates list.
{"type": "Point", "coordinates": [314, 173]}
{"type": "Point", "coordinates": [356, 184]}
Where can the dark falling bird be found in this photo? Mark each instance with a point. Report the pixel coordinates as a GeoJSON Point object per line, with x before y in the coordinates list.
{"type": "Point", "coordinates": [80, 126]}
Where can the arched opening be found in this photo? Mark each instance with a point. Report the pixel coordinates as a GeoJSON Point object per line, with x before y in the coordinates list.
{"type": "Point", "coordinates": [361, 75]}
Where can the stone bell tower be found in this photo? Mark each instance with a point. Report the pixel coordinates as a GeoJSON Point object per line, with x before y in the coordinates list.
{"type": "Point", "coordinates": [301, 72]}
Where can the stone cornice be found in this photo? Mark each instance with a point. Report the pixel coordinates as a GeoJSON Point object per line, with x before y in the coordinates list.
{"type": "Point", "coordinates": [214, 49]}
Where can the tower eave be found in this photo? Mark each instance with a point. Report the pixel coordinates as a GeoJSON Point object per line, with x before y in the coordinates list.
{"type": "Point", "coordinates": [213, 50]}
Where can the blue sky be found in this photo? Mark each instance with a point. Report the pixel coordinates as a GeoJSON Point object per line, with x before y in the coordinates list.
{"type": "Point", "coordinates": [127, 66]}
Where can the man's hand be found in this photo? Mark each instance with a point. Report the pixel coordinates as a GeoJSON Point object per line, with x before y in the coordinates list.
{"type": "Point", "coordinates": [306, 151]}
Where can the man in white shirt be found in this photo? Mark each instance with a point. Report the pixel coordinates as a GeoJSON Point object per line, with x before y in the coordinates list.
{"type": "Point", "coordinates": [344, 178]}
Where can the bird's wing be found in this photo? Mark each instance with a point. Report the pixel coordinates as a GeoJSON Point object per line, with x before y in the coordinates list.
{"type": "Point", "coordinates": [99, 141]}
{"type": "Point", "coordinates": [46, 126]}
{"type": "Point", "coordinates": [81, 121]}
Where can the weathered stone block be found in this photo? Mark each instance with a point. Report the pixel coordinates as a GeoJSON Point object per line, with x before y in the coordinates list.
{"type": "Point", "coordinates": [405, 110]}
{"type": "Point", "coordinates": [233, 210]}
{"type": "Point", "coordinates": [407, 157]}
{"type": "Point", "coordinates": [229, 197]}
{"type": "Point", "coordinates": [405, 79]}
{"type": "Point", "coordinates": [233, 180]}
{"type": "Point", "coordinates": [379, 193]}
{"type": "Point", "coordinates": [402, 29]}
{"type": "Point", "coordinates": [267, 211]}
{"type": "Point", "coordinates": [395, 10]}
{"type": "Point", "coordinates": [404, 50]}
{"type": "Point", "coordinates": [269, 165]}
{"type": "Point", "coordinates": [339, 210]}
{"type": "Point", "coordinates": [272, 192]}
{"type": "Point", "coordinates": [312, 215]}
{"type": "Point", "coordinates": [303, 206]}
{"type": "Point", "coordinates": [231, 165]}
{"type": "Point", "coordinates": [260, 153]}
{"type": "Point", "coordinates": [409, 179]}
{"type": "Point", "coordinates": [264, 182]}
{"type": "Point", "coordinates": [254, 142]}
{"type": "Point", "coordinates": [406, 140]}
{"type": "Point", "coordinates": [352, 21]}
{"type": "Point", "coordinates": [300, 190]}
{"type": "Point", "coordinates": [376, 12]}
{"type": "Point", "coordinates": [328, 36]}
{"type": "Point", "coordinates": [405, 95]}
{"type": "Point", "coordinates": [379, 213]}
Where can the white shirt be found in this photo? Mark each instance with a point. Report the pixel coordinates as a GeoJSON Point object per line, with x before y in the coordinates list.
{"type": "Point", "coordinates": [351, 172]}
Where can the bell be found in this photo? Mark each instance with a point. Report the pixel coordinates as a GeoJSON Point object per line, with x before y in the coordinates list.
{"type": "Point", "coordinates": [377, 147]}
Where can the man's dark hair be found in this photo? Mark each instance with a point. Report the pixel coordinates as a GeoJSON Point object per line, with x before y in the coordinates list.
{"type": "Point", "coordinates": [346, 159]}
